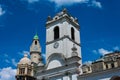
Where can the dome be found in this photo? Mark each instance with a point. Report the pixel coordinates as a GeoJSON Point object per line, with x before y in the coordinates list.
{"type": "Point", "coordinates": [25, 60]}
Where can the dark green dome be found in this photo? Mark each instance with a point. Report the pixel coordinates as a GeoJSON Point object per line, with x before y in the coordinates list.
{"type": "Point", "coordinates": [36, 37]}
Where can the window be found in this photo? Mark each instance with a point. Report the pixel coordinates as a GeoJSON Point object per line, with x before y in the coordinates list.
{"type": "Point", "coordinates": [112, 65]}
{"type": "Point", "coordinates": [72, 34]}
{"type": "Point", "coordinates": [35, 42]}
{"type": "Point", "coordinates": [56, 32]}
{"type": "Point", "coordinates": [106, 66]}
{"type": "Point", "coordinates": [23, 78]}
{"type": "Point", "coordinates": [22, 71]}
{"type": "Point", "coordinates": [29, 71]}
{"type": "Point", "coordinates": [88, 68]}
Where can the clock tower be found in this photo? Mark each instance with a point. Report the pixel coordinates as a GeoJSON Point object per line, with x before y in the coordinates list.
{"type": "Point", "coordinates": [35, 50]}
{"type": "Point", "coordinates": [62, 33]}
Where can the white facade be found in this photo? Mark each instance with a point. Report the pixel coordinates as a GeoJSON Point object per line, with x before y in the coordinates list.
{"type": "Point", "coordinates": [65, 42]}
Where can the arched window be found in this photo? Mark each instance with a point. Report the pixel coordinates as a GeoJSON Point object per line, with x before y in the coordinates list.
{"type": "Point", "coordinates": [112, 65]}
{"type": "Point", "coordinates": [56, 32]}
{"type": "Point", "coordinates": [106, 66]}
{"type": "Point", "coordinates": [35, 42]}
{"type": "Point", "coordinates": [72, 34]}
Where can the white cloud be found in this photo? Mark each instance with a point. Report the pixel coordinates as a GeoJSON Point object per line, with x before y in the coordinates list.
{"type": "Point", "coordinates": [7, 73]}
{"type": "Point", "coordinates": [1, 11]}
{"type": "Point", "coordinates": [24, 52]}
{"type": "Point", "coordinates": [14, 62]}
{"type": "Point", "coordinates": [6, 55]}
{"type": "Point", "coordinates": [92, 3]}
{"type": "Point", "coordinates": [31, 1]}
{"type": "Point", "coordinates": [95, 51]}
{"type": "Point", "coordinates": [96, 4]}
{"type": "Point", "coordinates": [103, 51]}
{"type": "Point", "coordinates": [60, 3]}
{"type": "Point", "coordinates": [7, 61]}
{"type": "Point", "coordinates": [116, 48]}
{"type": "Point", "coordinates": [88, 62]}
{"type": "Point", "coordinates": [67, 2]}
{"type": "Point", "coordinates": [43, 55]}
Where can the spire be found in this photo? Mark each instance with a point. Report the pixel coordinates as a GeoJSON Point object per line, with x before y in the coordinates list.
{"type": "Point", "coordinates": [35, 49]}
{"type": "Point", "coordinates": [36, 36]}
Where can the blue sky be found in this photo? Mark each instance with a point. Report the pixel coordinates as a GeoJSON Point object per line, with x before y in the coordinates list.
{"type": "Point", "coordinates": [20, 19]}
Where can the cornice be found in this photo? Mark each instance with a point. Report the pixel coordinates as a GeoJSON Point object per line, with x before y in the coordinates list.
{"type": "Point", "coordinates": [100, 72]}
{"type": "Point", "coordinates": [76, 25]}
{"type": "Point", "coordinates": [66, 36]}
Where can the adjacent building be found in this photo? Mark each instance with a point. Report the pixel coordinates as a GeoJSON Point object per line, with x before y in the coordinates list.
{"type": "Point", "coordinates": [105, 68]}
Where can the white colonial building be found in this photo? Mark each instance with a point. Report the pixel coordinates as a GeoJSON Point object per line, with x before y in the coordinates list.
{"type": "Point", "coordinates": [63, 55]}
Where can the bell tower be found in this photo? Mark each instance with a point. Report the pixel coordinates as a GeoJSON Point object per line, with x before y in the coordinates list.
{"type": "Point", "coordinates": [62, 32]}
{"type": "Point", "coordinates": [35, 50]}
{"type": "Point", "coordinates": [63, 50]}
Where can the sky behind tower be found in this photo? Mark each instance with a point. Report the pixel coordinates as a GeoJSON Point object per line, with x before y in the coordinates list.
{"type": "Point", "coordinates": [20, 20]}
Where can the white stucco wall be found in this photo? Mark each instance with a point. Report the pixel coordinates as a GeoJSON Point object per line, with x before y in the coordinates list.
{"type": "Point", "coordinates": [64, 48]}
{"type": "Point", "coordinates": [65, 45]}
{"type": "Point", "coordinates": [55, 61]}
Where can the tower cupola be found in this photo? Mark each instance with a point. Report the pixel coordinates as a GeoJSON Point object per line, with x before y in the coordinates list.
{"type": "Point", "coordinates": [36, 37]}
{"type": "Point", "coordinates": [35, 50]}
{"type": "Point", "coordinates": [25, 69]}
{"type": "Point", "coordinates": [25, 60]}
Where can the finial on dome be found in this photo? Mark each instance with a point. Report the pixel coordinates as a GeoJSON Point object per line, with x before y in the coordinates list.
{"type": "Point", "coordinates": [36, 36]}
{"type": "Point", "coordinates": [25, 55]}
{"type": "Point", "coordinates": [25, 60]}
{"type": "Point", "coordinates": [64, 10]}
